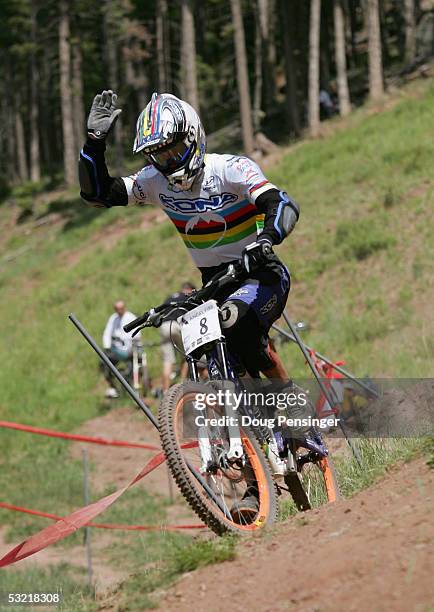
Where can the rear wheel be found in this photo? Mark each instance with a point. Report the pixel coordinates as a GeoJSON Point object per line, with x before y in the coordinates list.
{"type": "Point", "coordinates": [314, 483]}
{"type": "Point", "coordinates": [217, 492]}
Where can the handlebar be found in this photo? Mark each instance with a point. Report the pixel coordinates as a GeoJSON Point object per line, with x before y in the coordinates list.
{"type": "Point", "coordinates": [153, 317]}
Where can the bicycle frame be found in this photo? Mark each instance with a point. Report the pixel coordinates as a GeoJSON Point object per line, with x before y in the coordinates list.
{"type": "Point", "coordinates": [218, 360]}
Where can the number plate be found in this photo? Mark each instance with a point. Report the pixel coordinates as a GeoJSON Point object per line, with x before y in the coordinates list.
{"type": "Point", "coordinates": [200, 326]}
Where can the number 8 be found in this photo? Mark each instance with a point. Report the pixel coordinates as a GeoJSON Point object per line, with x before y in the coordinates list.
{"type": "Point", "coordinates": [203, 326]}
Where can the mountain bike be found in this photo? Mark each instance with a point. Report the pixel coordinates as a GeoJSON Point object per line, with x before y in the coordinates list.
{"type": "Point", "coordinates": [135, 370]}
{"type": "Point", "coordinates": [217, 458]}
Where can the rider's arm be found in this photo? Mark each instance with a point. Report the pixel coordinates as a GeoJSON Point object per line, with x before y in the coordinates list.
{"type": "Point", "coordinates": [97, 187]}
{"type": "Point", "coordinates": [281, 214]}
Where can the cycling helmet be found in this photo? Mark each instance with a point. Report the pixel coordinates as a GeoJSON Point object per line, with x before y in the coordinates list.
{"type": "Point", "coordinates": [170, 135]}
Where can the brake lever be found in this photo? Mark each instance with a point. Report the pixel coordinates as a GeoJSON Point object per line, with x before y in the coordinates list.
{"type": "Point", "coordinates": [138, 330]}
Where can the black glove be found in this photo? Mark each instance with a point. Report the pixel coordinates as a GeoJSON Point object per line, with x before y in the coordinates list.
{"type": "Point", "coordinates": [103, 115]}
{"type": "Point", "coordinates": [255, 254]}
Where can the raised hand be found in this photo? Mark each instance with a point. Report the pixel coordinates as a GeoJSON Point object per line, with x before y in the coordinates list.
{"type": "Point", "coordinates": [103, 115]}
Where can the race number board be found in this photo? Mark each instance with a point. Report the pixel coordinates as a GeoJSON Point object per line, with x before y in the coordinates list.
{"type": "Point", "coordinates": [200, 326]}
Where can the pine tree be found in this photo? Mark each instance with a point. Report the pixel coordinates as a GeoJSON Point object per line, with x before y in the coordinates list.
{"type": "Point", "coordinates": [242, 77]}
{"type": "Point", "coordinates": [341, 62]}
{"type": "Point", "coordinates": [314, 83]}
{"type": "Point", "coordinates": [188, 55]}
{"type": "Point", "coordinates": [69, 146]}
{"type": "Point", "coordinates": [376, 88]}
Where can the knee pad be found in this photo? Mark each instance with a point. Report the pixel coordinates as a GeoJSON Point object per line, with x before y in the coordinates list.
{"type": "Point", "coordinates": [233, 314]}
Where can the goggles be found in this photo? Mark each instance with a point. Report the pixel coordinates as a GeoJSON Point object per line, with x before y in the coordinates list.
{"type": "Point", "coordinates": [171, 159]}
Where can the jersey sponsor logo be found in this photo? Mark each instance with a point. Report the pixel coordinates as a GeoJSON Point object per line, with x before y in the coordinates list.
{"type": "Point", "coordinates": [209, 184]}
{"type": "Point", "coordinates": [138, 191]}
{"type": "Point", "coordinates": [209, 217]}
{"type": "Point", "coordinates": [192, 205]}
{"type": "Point", "coordinates": [269, 305]}
{"type": "Point", "coordinates": [234, 160]}
{"type": "Point", "coordinates": [245, 167]}
{"type": "Point", "coordinates": [239, 292]}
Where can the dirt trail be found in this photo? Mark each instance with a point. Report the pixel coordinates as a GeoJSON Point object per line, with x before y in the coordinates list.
{"type": "Point", "coordinates": [373, 552]}
{"type": "Point", "coordinates": [119, 465]}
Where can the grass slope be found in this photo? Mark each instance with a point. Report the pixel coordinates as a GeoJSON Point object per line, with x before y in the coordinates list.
{"type": "Point", "coordinates": [361, 259]}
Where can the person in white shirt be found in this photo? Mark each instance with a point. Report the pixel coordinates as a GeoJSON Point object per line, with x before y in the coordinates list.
{"type": "Point", "coordinates": [117, 344]}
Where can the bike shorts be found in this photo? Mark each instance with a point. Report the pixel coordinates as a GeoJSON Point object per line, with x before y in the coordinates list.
{"type": "Point", "coordinates": [267, 301]}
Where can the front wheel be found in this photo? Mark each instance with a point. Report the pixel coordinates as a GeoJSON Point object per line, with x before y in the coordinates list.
{"type": "Point", "coordinates": [215, 492]}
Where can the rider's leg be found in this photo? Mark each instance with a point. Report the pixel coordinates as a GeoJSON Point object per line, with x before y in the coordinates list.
{"type": "Point", "coordinates": [248, 340]}
{"type": "Point", "coordinates": [248, 314]}
{"type": "Point", "coordinates": [111, 390]}
{"type": "Point", "coordinates": [278, 369]}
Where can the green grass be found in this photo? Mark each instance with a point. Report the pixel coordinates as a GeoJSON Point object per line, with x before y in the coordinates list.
{"type": "Point", "coordinates": [136, 592]}
{"type": "Point", "coordinates": [361, 262]}
{"type": "Point", "coordinates": [63, 578]}
{"type": "Point", "coordinates": [377, 457]}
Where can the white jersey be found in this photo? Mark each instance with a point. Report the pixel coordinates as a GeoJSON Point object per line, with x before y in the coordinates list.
{"type": "Point", "coordinates": [217, 218]}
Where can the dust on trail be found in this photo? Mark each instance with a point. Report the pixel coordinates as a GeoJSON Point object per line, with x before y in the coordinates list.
{"type": "Point", "coordinates": [372, 552]}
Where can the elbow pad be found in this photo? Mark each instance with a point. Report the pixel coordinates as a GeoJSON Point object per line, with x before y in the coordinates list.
{"type": "Point", "coordinates": [281, 214]}
{"type": "Point", "coordinates": [287, 216]}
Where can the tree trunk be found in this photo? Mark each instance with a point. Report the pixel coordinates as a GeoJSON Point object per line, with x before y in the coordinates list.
{"type": "Point", "coordinates": [188, 56]}
{"type": "Point", "coordinates": [266, 52]}
{"type": "Point", "coordinates": [69, 149]}
{"type": "Point", "coordinates": [257, 94]}
{"type": "Point", "coordinates": [111, 40]}
{"type": "Point", "coordinates": [290, 68]}
{"type": "Point", "coordinates": [242, 77]}
{"type": "Point", "coordinates": [410, 31]}
{"type": "Point", "coordinates": [166, 35]}
{"type": "Point", "coordinates": [35, 160]}
{"type": "Point", "coordinates": [77, 89]}
{"type": "Point", "coordinates": [376, 88]}
{"type": "Point", "coordinates": [341, 62]}
{"type": "Point", "coordinates": [161, 45]}
{"type": "Point", "coordinates": [314, 32]}
{"type": "Point", "coordinates": [23, 171]}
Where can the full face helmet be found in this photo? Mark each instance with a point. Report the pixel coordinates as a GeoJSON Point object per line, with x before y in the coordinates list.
{"type": "Point", "coordinates": [170, 135]}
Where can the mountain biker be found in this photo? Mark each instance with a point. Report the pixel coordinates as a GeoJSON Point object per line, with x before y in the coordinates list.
{"type": "Point", "coordinates": [214, 201]}
{"type": "Point", "coordinates": [117, 344]}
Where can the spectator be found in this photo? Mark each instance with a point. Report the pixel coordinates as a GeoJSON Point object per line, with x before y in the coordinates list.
{"type": "Point", "coordinates": [117, 344]}
{"type": "Point", "coordinates": [171, 333]}
{"type": "Point", "coordinates": [327, 107]}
